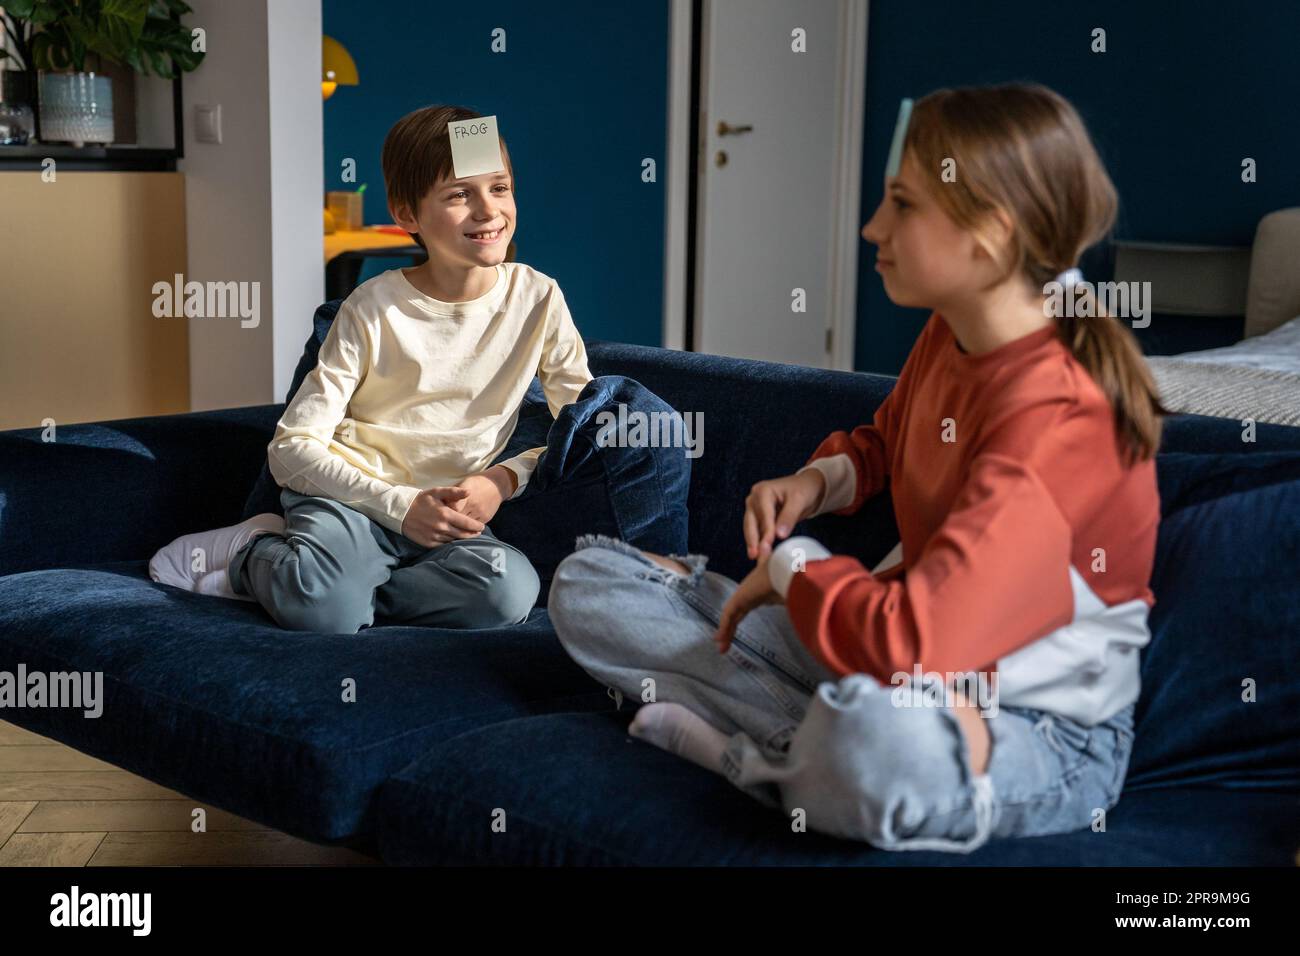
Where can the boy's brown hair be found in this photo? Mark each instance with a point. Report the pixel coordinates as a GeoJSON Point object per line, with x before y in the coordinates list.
{"type": "Point", "coordinates": [417, 155]}
{"type": "Point", "coordinates": [1024, 149]}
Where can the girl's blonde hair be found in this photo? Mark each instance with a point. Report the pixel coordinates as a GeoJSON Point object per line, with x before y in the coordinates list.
{"type": "Point", "coordinates": [1023, 148]}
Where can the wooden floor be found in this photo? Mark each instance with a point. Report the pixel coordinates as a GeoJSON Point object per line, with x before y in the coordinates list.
{"type": "Point", "coordinates": [59, 807]}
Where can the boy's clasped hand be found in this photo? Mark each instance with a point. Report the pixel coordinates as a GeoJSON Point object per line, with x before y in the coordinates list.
{"type": "Point", "coordinates": [442, 514]}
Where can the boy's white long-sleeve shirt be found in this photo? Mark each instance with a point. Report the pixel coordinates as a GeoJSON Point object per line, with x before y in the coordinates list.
{"type": "Point", "coordinates": [411, 392]}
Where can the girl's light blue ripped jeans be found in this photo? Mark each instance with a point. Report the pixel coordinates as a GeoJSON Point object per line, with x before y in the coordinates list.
{"type": "Point", "coordinates": [840, 749]}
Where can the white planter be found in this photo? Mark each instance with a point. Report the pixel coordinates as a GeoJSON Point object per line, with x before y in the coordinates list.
{"type": "Point", "coordinates": [76, 108]}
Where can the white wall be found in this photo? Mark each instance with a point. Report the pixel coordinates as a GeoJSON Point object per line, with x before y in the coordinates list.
{"type": "Point", "coordinates": [297, 178]}
{"type": "Point", "coordinates": [253, 202]}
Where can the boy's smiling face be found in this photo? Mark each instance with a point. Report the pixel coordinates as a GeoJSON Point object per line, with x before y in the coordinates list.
{"type": "Point", "coordinates": [467, 221]}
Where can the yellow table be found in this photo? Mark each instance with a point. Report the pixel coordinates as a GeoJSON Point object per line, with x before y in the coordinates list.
{"type": "Point", "coordinates": [359, 240]}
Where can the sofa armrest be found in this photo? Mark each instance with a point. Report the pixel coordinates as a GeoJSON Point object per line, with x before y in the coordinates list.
{"type": "Point", "coordinates": [119, 490]}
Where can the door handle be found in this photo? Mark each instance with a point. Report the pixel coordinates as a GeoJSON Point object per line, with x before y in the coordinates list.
{"type": "Point", "coordinates": [726, 129]}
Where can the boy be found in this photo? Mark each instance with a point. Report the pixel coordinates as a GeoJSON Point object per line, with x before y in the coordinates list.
{"type": "Point", "coordinates": [385, 454]}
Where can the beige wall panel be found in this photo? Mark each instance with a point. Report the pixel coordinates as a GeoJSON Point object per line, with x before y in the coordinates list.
{"type": "Point", "coordinates": [78, 259]}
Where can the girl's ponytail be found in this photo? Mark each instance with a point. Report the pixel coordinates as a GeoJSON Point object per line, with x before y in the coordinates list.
{"type": "Point", "coordinates": [1110, 354]}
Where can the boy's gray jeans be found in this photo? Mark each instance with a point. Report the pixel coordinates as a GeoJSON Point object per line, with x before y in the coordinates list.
{"type": "Point", "coordinates": [804, 739]}
{"type": "Point", "coordinates": [334, 569]}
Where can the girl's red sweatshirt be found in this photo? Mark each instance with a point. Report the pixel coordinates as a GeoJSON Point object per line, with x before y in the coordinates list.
{"type": "Point", "coordinates": [1027, 545]}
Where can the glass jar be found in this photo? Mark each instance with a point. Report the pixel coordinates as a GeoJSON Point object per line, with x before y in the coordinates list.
{"type": "Point", "coordinates": [17, 124]}
{"type": "Point", "coordinates": [17, 119]}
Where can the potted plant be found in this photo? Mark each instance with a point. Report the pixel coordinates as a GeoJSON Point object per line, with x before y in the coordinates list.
{"type": "Point", "coordinates": [67, 36]}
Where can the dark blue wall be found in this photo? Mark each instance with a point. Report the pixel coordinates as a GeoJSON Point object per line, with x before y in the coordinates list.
{"type": "Point", "coordinates": [581, 98]}
{"type": "Point", "coordinates": [1184, 92]}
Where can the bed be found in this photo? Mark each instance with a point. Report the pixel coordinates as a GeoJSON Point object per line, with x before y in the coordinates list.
{"type": "Point", "coordinates": [1259, 377]}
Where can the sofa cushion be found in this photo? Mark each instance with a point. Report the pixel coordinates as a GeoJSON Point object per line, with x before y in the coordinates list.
{"type": "Point", "coordinates": [1208, 435]}
{"type": "Point", "coordinates": [1186, 479]}
{"type": "Point", "coordinates": [120, 490]}
{"type": "Point", "coordinates": [207, 696]}
{"type": "Point", "coordinates": [576, 789]}
{"type": "Point", "coordinates": [1227, 612]}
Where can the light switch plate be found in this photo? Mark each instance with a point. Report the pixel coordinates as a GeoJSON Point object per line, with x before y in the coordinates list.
{"type": "Point", "coordinates": [207, 123]}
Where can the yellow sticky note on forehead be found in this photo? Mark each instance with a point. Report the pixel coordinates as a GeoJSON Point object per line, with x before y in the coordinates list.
{"type": "Point", "coordinates": [475, 146]}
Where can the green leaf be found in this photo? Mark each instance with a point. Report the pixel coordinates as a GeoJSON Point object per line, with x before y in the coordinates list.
{"type": "Point", "coordinates": [169, 8]}
{"type": "Point", "coordinates": [41, 52]}
{"type": "Point", "coordinates": [120, 22]}
{"type": "Point", "coordinates": [21, 9]}
{"type": "Point", "coordinates": [46, 11]}
{"type": "Point", "coordinates": [77, 38]}
{"type": "Point", "coordinates": [168, 46]}
{"type": "Point", "coordinates": [77, 54]}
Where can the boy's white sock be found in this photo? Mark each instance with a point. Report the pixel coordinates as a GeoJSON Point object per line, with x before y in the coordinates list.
{"type": "Point", "coordinates": [174, 564]}
{"type": "Point", "coordinates": [678, 730]}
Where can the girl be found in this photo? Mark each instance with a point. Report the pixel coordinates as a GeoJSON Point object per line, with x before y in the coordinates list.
{"type": "Point", "coordinates": [1019, 448]}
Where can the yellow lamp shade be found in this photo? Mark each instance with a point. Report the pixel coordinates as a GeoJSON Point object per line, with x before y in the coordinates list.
{"type": "Point", "coordinates": [336, 67]}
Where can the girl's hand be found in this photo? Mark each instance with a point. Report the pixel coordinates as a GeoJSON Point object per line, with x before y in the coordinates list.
{"type": "Point", "coordinates": [434, 517]}
{"type": "Point", "coordinates": [755, 591]}
{"type": "Point", "coordinates": [774, 507]}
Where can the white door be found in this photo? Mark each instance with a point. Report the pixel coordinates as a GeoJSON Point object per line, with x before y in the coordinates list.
{"type": "Point", "coordinates": [779, 170]}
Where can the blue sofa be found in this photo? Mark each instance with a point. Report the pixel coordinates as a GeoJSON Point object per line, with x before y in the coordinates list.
{"type": "Point", "coordinates": [209, 697]}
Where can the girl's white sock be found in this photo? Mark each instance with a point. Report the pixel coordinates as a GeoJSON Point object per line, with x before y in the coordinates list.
{"type": "Point", "coordinates": [678, 730]}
